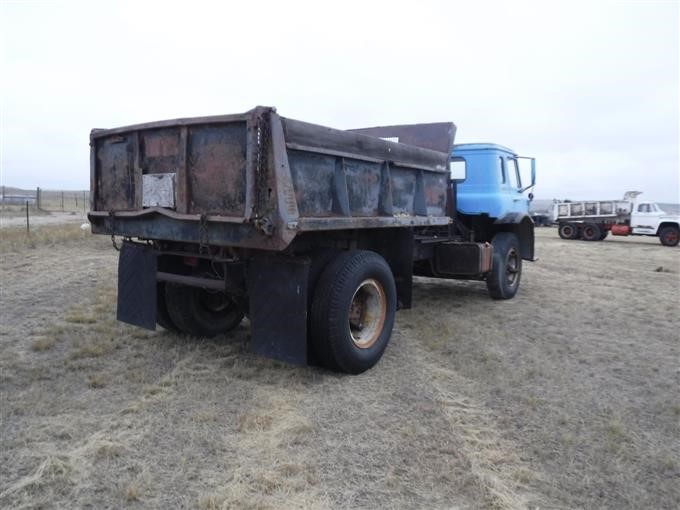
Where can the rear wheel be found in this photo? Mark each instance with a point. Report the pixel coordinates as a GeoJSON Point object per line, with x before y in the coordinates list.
{"type": "Point", "coordinates": [201, 312]}
{"type": "Point", "coordinates": [162, 316]}
{"type": "Point", "coordinates": [506, 266]}
{"type": "Point", "coordinates": [669, 236]}
{"type": "Point", "coordinates": [591, 232]}
{"type": "Point", "coordinates": [604, 233]}
{"type": "Point", "coordinates": [568, 231]}
{"type": "Point", "coordinates": [352, 311]}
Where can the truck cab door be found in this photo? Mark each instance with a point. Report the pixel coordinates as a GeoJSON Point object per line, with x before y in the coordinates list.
{"type": "Point", "coordinates": [645, 218]}
{"type": "Point", "coordinates": [513, 185]}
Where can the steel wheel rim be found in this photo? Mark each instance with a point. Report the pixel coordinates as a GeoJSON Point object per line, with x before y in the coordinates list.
{"type": "Point", "coordinates": [367, 312]}
{"type": "Point", "coordinates": [214, 301]}
{"type": "Point", "coordinates": [512, 266]}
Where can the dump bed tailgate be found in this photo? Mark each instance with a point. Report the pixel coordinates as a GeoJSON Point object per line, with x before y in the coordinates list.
{"type": "Point", "coordinates": [204, 161]}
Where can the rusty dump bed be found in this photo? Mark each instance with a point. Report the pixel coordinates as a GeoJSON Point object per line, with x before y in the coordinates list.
{"type": "Point", "coordinates": [256, 180]}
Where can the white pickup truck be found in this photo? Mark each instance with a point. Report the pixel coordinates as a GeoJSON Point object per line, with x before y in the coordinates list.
{"type": "Point", "coordinates": [593, 220]}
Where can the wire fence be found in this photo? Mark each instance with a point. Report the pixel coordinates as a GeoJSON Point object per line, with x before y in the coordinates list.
{"type": "Point", "coordinates": [46, 200]}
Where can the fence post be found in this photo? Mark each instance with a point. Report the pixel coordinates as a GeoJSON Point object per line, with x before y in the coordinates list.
{"type": "Point", "coordinates": [84, 203]}
{"type": "Point", "coordinates": [38, 199]}
{"type": "Point", "coordinates": [28, 227]}
{"type": "Point", "coordinates": [62, 200]}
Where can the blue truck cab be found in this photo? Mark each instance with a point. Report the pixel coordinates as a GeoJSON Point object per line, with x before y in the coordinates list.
{"type": "Point", "coordinates": [492, 202]}
{"type": "Point", "coordinates": [492, 184]}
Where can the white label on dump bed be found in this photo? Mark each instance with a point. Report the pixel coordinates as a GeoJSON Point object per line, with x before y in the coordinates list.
{"type": "Point", "coordinates": [158, 190]}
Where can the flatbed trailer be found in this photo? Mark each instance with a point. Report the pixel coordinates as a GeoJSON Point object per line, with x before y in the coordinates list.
{"type": "Point", "coordinates": [313, 233]}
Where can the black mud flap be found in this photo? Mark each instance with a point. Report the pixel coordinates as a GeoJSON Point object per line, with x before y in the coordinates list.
{"type": "Point", "coordinates": [277, 287]}
{"type": "Point", "coordinates": [137, 286]}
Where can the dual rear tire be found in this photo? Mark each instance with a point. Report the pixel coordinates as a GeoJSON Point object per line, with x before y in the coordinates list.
{"type": "Point", "coordinates": [195, 311]}
{"type": "Point", "coordinates": [591, 232]}
{"type": "Point", "coordinates": [586, 231]}
{"type": "Point", "coordinates": [568, 231]}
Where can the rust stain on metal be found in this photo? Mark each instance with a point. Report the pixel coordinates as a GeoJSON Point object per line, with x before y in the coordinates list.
{"type": "Point", "coordinates": [160, 145]}
{"type": "Point", "coordinates": [216, 169]}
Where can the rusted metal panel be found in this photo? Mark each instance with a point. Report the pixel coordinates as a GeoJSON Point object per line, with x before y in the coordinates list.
{"type": "Point", "coordinates": [159, 150]}
{"type": "Point", "coordinates": [115, 181]}
{"type": "Point", "coordinates": [435, 189]}
{"type": "Point", "coordinates": [181, 179]}
{"type": "Point", "coordinates": [403, 190]}
{"type": "Point", "coordinates": [455, 259]}
{"type": "Point", "coordinates": [313, 182]}
{"type": "Point", "coordinates": [216, 169]}
{"type": "Point", "coordinates": [363, 187]}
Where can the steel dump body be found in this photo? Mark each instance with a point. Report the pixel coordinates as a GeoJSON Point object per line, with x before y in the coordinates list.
{"type": "Point", "coordinates": [257, 180]}
{"type": "Point", "coordinates": [592, 210]}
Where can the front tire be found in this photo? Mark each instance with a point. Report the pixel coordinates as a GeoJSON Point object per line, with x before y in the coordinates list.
{"type": "Point", "coordinates": [506, 266]}
{"type": "Point", "coordinates": [200, 312]}
{"type": "Point", "coordinates": [352, 313]}
{"type": "Point", "coordinates": [669, 236]}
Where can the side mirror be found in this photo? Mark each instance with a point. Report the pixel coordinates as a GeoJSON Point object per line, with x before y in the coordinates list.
{"type": "Point", "coordinates": [458, 169]}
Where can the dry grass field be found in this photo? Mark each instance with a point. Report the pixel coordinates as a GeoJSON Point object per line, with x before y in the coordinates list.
{"type": "Point", "coordinates": [567, 396]}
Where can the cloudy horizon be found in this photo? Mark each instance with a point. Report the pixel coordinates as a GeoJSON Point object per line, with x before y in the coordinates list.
{"type": "Point", "coordinates": [589, 89]}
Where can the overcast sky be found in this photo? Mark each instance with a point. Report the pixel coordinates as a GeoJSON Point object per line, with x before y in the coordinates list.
{"type": "Point", "coordinates": [590, 89]}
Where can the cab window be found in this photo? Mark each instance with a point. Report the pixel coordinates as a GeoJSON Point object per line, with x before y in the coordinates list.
{"type": "Point", "coordinates": [501, 169]}
{"type": "Point", "coordinates": [644, 208]}
{"type": "Point", "coordinates": [458, 169]}
{"type": "Point", "coordinates": [513, 173]}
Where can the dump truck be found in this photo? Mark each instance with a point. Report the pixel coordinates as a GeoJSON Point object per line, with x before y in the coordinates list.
{"type": "Point", "coordinates": [312, 233]}
{"type": "Point", "coordinates": [594, 220]}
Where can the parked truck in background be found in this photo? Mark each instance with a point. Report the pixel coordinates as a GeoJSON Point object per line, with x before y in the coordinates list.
{"type": "Point", "coordinates": [593, 220]}
{"type": "Point", "coordinates": [313, 233]}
